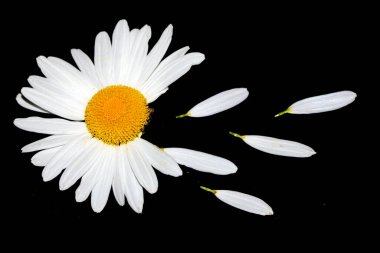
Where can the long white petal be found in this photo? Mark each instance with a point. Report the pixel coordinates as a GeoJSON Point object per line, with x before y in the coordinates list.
{"type": "Point", "coordinates": [159, 159]}
{"type": "Point", "coordinates": [202, 161]}
{"type": "Point", "coordinates": [29, 105]}
{"type": "Point", "coordinates": [90, 177]}
{"type": "Point", "coordinates": [50, 126]}
{"type": "Point", "coordinates": [138, 55]}
{"type": "Point", "coordinates": [160, 80]}
{"type": "Point", "coordinates": [155, 55]}
{"type": "Point", "coordinates": [218, 103]}
{"type": "Point", "coordinates": [244, 202]}
{"type": "Point", "coordinates": [117, 185]}
{"type": "Point", "coordinates": [103, 58]}
{"type": "Point", "coordinates": [277, 146]}
{"type": "Point", "coordinates": [141, 168]}
{"type": "Point", "coordinates": [130, 186]}
{"type": "Point", "coordinates": [102, 188]}
{"type": "Point", "coordinates": [120, 46]}
{"type": "Point", "coordinates": [52, 89]}
{"type": "Point", "coordinates": [61, 106]}
{"type": "Point", "coordinates": [323, 103]}
{"type": "Point", "coordinates": [81, 164]}
{"type": "Point", "coordinates": [86, 66]}
{"type": "Point", "coordinates": [64, 157]}
{"type": "Point", "coordinates": [48, 142]}
{"type": "Point", "coordinates": [60, 75]}
{"type": "Point", "coordinates": [43, 157]}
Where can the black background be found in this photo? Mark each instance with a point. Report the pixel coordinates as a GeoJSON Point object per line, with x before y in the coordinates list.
{"type": "Point", "coordinates": [281, 53]}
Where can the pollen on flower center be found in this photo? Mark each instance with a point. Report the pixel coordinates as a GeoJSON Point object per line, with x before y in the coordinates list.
{"type": "Point", "coordinates": [116, 114]}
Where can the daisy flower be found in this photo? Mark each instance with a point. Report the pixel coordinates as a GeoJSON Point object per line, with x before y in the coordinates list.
{"type": "Point", "coordinates": [103, 109]}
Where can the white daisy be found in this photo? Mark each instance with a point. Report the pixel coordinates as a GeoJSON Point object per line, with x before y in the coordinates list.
{"type": "Point", "coordinates": [105, 109]}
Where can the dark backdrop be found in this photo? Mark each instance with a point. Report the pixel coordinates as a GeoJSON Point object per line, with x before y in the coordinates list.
{"type": "Point", "coordinates": [280, 53]}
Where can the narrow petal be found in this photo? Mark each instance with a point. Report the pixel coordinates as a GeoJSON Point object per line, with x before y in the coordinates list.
{"type": "Point", "coordinates": [141, 168]}
{"type": "Point", "coordinates": [103, 58]}
{"type": "Point", "coordinates": [117, 185]}
{"type": "Point", "coordinates": [48, 142]}
{"type": "Point", "coordinates": [219, 102]}
{"type": "Point", "coordinates": [276, 146]}
{"type": "Point", "coordinates": [244, 202]}
{"type": "Point", "coordinates": [59, 74]}
{"type": "Point", "coordinates": [50, 126]}
{"type": "Point", "coordinates": [59, 105]}
{"type": "Point", "coordinates": [29, 105]}
{"type": "Point", "coordinates": [323, 103]}
{"type": "Point", "coordinates": [86, 66]}
{"type": "Point", "coordinates": [202, 161]}
{"type": "Point", "coordinates": [138, 55]}
{"type": "Point", "coordinates": [130, 186]}
{"type": "Point", "coordinates": [161, 80]}
{"type": "Point", "coordinates": [90, 177]}
{"type": "Point", "coordinates": [159, 159]}
{"type": "Point", "coordinates": [81, 164]}
{"type": "Point", "coordinates": [43, 157]}
{"type": "Point", "coordinates": [120, 46]}
{"type": "Point", "coordinates": [102, 188]}
{"type": "Point", "coordinates": [64, 157]}
{"type": "Point", "coordinates": [155, 55]}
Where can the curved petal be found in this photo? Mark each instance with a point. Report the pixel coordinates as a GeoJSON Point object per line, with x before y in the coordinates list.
{"type": "Point", "coordinates": [102, 188]}
{"type": "Point", "coordinates": [81, 164]}
{"type": "Point", "coordinates": [155, 55]}
{"type": "Point", "coordinates": [28, 105]}
{"type": "Point", "coordinates": [159, 159]}
{"type": "Point", "coordinates": [219, 102]}
{"type": "Point", "coordinates": [43, 157]}
{"type": "Point", "coordinates": [103, 59]}
{"type": "Point", "coordinates": [120, 46]}
{"type": "Point", "coordinates": [50, 126]}
{"type": "Point", "coordinates": [48, 142]}
{"type": "Point", "coordinates": [141, 168]}
{"type": "Point", "coordinates": [64, 157]}
{"type": "Point", "coordinates": [58, 105]}
{"type": "Point", "coordinates": [86, 66]}
{"type": "Point", "coordinates": [202, 161]}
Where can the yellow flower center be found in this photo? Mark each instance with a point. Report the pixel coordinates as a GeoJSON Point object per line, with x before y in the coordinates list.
{"type": "Point", "coordinates": [116, 114]}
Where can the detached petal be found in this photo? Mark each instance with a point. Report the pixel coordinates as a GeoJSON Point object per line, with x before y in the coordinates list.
{"type": "Point", "coordinates": [202, 161]}
{"type": "Point", "coordinates": [244, 202]}
{"type": "Point", "coordinates": [323, 103]}
{"type": "Point", "coordinates": [218, 103]}
{"type": "Point", "coordinates": [276, 146]}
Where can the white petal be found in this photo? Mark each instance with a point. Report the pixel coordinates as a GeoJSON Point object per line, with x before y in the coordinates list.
{"type": "Point", "coordinates": [323, 103]}
{"type": "Point", "coordinates": [155, 55]}
{"type": "Point", "coordinates": [86, 66]}
{"type": "Point", "coordinates": [138, 55]}
{"type": "Point", "coordinates": [120, 46]}
{"type": "Point", "coordinates": [244, 202]}
{"type": "Point", "coordinates": [60, 106]}
{"type": "Point", "coordinates": [278, 146]}
{"type": "Point", "coordinates": [84, 162]}
{"type": "Point", "coordinates": [141, 168]}
{"type": "Point", "coordinates": [219, 102]}
{"type": "Point", "coordinates": [52, 89]}
{"type": "Point", "coordinates": [48, 142]}
{"type": "Point", "coordinates": [128, 182]}
{"type": "Point", "coordinates": [159, 159]}
{"type": "Point", "coordinates": [43, 157]}
{"type": "Point", "coordinates": [102, 188]}
{"type": "Point", "coordinates": [50, 126]}
{"type": "Point", "coordinates": [202, 161]}
{"type": "Point", "coordinates": [117, 185]}
{"type": "Point", "coordinates": [103, 58]}
{"type": "Point", "coordinates": [157, 95]}
{"type": "Point", "coordinates": [29, 105]}
{"type": "Point", "coordinates": [160, 80]}
{"type": "Point", "coordinates": [90, 177]}
{"type": "Point", "coordinates": [64, 157]}
{"type": "Point", "coordinates": [59, 74]}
